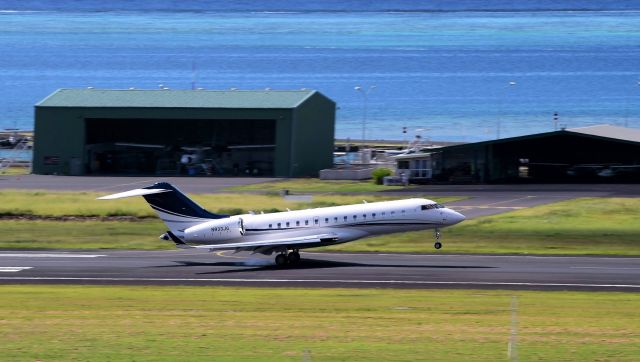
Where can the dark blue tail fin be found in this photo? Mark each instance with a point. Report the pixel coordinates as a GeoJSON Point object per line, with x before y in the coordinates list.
{"type": "Point", "coordinates": [176, 204]}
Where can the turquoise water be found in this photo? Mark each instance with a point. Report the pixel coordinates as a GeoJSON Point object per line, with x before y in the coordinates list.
{"type": "Point", "coordinates": [464, 75]}
{"type": "Point", "coordinates": [24, 155]}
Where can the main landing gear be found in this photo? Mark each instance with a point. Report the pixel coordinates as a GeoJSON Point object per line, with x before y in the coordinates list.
{"type": "Point", "coordinates": [285, 258]}
{"type": "Point", "coordinates": [438, 244]}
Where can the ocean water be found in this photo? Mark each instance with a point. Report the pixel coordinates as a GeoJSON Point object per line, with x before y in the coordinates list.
{"type": "Point", "coordinates": [456, 70]}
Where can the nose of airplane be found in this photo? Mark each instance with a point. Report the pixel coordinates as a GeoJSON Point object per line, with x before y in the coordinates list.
{"type": "Point", "coordinates": [454, 217]}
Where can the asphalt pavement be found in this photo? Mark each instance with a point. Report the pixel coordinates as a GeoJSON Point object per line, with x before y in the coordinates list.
{"type": "Point", "coordinates": [481, 200]}
{"type": "Point", "coordinates": [321, 270]}
{"type": "Point", "coordinates": [329, 269]}
{"type": "Point", "coordinates": [196, 185]}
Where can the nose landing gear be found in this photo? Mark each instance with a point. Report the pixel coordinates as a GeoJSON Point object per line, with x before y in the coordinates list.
{"type": "Point", "coordinates": [437, 244]}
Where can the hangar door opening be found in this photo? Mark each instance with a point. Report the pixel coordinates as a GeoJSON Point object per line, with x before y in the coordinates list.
{"type": "Point", "coordinates": [180, 147]}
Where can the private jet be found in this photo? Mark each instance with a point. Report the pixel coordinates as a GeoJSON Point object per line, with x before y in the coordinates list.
{"type": "Point", "coordinates": [286, 233]}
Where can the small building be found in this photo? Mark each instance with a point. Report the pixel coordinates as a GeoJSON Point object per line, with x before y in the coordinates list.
{"type": "Point", "coordinates": [416, 167]}
{"type": "Point", "coordinates": [184, 132]}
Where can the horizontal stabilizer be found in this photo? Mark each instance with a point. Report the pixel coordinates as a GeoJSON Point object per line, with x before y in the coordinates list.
{"type": "Point", "coordinates": [130, 193]}
{"type": "Point", "coordinates": [179, 243]}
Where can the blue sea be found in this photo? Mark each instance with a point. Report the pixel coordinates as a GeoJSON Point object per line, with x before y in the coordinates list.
{"type": "Point", "coordinates": [456, 70]}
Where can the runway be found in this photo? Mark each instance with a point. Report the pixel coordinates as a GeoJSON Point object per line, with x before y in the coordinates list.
{"type": "Point", "coordinates": [321, 270]}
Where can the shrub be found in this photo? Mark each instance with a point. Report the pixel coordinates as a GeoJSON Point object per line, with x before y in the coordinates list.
{"type": "Point", "coordinates": [379, 173]}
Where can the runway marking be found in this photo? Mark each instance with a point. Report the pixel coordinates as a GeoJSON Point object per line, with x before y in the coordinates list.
{"type": "Point", "coordinates": [602, 267]}
{"type": "Point", "coordinates": [337, 281]}
{"type": "Point", "coordinates": [13, 269]}
{"type": "Point", "coordinates": [222, 254]}
{"type": "Point", "coordinates": [549, 257]}
{"type": "Point", "coordinates": [505, 201]}
{"type": "Point", "coordinates": [52, 255]}
{"type": "Point", "coordinates": [57, 255]}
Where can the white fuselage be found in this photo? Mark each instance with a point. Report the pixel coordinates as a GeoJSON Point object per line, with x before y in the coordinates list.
{"type": "Point", "coordinates": [347, 223]}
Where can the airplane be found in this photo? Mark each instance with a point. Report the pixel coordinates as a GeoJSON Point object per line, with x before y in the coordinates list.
{"type": "Point", "coordinates": [286, 233]}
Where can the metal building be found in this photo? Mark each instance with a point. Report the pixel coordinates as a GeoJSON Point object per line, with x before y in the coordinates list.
{"type": "Point", "coordinates": [602, 153]}
{"type": "Point", "coordinates": [188, 132]}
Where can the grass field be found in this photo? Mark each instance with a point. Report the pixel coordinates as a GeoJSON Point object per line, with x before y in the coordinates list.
{"type": "Point", "coordinates": [315, 185]}
{"type": "Point", "coordinates": [47, 203]}
{"type": "Point", "coordinates": [123, 234]}
{"type": "Point", "coordinates": [44, 234]}
{"type": "Point", "coordinates": [606, 226]}
{"type": "Point", "coordinates": [92, 323]}
{"type": "Point", "coordinates": [581, 226]}
{"type": "Point", "coordinates": [15, 171]}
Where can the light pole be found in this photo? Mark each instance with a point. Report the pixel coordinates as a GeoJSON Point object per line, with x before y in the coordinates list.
{"type": "Point", "coordinates": [365, 95]}
{"type": "Point", "coordinates": [511, 84]}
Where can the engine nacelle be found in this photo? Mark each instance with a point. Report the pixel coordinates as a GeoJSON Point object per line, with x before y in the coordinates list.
{"type": "Point", "coordinates": [215, 230]}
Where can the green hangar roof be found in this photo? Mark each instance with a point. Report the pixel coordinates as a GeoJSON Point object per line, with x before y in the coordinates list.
{"type": "Point", "coordinates": [134, 98]}
{"type": "Point", "coordinates": [283, 133]}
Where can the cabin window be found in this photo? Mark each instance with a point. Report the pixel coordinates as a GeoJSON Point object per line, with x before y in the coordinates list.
{"type": "Point", "coordinates": [393, 212]}
{"type": "Point", "coordinates": [316, 221]}
{"type": "Point", "coordinates": [287, 224]}
{"type": "Point", "coordinates": [326, 220]}
{"type": "Point", "coordinates": [298, 223]}
{"type": "Point", "coordinates": [431, 206]}
{"type": "Point", "coordinates": [279, 225]}
{"type": "Point", "coordinates": [403, 211]}
{"type": "Point", "coordinates": [306, 222]}
{"type": "Point", "coordinates": [364, 216]}
{"type": "Point", "coordinates": [345, 218]}
{"type": "Point", "coordinates": [355, 217]}
{"type": "Point", "coordinates": [335, 219]}
{"type": "Point", "coordinates": [373, 215]}
{"type": "Point", "coordinates": [270, 226]}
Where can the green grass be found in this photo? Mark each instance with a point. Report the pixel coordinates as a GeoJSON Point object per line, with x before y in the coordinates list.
{"type": "Point", "coordinates": [15, 171]}
{"type": "Point", "coordinates": [123, 234]}
{"type": "Point", "coordinates": [112, 323]}
{"type": "Point", "coordinates": [315, 185]}
{"type": "Point", "coordinates": [606, 226]}
{"type": "Point", "coordinates": [47, 203]}
{"type": "Point", "coordinates": [580, 226]}
{"type": "Point", "coordinates": [42, 234]}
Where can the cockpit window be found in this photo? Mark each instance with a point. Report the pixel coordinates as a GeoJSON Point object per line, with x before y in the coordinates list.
{"type": "Point", "coordinates": [431, 206]}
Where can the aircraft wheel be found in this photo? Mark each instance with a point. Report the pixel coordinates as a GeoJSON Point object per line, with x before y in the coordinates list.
{"type": "Point", "coordinates": [281, 260]}
{"type": "Point", "coordinates": [437, 245]}
{"type": "Point", "coordinates": [294, 257]}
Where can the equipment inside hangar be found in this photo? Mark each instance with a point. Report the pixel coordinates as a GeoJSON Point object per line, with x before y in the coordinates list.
{"type": "Point", "coordinates": [180, 132]}
{"type": "Point", "coordinates": [601, 153]}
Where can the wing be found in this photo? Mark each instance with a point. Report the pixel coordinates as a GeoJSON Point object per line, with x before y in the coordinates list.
{"type": "Point", "coordinates": [262, 245]}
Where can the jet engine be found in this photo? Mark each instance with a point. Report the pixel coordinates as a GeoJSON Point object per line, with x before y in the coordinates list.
{"type": "Point", "coordinates": [215, 230]}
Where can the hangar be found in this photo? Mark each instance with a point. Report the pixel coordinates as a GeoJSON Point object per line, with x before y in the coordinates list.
{"type": "Point", "coordinates": [601, 153]}
{"type": "Point", "coordinates": [184, 132]}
